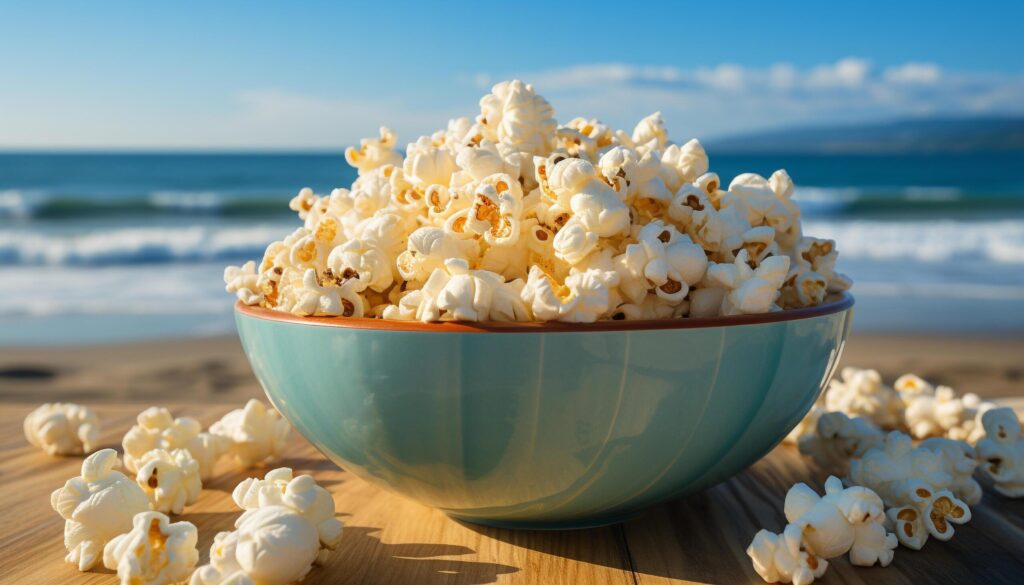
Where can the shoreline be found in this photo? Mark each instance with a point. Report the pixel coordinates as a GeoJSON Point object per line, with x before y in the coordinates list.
{"type": "Point", "coordinates": [215, 370]}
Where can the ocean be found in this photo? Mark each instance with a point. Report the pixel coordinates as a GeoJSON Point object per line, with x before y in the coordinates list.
{"type": "Point", "coordinates": [115, 247]}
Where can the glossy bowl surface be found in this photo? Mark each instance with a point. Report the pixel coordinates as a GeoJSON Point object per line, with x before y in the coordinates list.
{"type": "Point", "coordinates": [545, 425]}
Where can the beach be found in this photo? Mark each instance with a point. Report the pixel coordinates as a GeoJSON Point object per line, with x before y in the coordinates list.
{"type": "Point", "coordinates": [214, 370]}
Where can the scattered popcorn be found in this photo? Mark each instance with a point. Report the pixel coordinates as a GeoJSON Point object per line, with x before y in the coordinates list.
{"type": "Point", "coordinates": [302, 495]}
{"type": "Point", "coordinates": [861, 393]}
{"type": "Point", "coordinates": [170, 479]}
{"type": "Point", "coordinates": [915, 484]}
{"type": "Point", "coordinates": [1002, 451]}
{"type": "Point", "coordinates": [911, 405]}
{"type": "Point", "coordinates": [156, 428]}
{"type": "Point", "coordinates": [934, 414]}
{"type": "Point", "coordinates": [837, 439]}
{"type": "Point", "coordinates": [780, 558]}
{"type": "Point", "coordinates": [254, 434]}
{"type": "Point", "coordinates": [960, 461]}
{"type": "Point", "coordinates": [96, 506]}
{"type": "Point", "coordinates": [823, 527]}
{"type": "Point", "coordinates": [271, 545]}
{"type": "Point", "coordinates": [841, 521]}
{"type": "Point", "coordinates": [154, 552]}
{"type": "Point", "coordinates": [569, 218]}
{"type": "Point", "coordinates": [62, 428]}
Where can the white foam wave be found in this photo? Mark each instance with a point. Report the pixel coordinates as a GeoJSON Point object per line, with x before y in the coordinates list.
{"type": "Point", "coordinates": [186, 200]}
{"type": "Point", "coordinates": [18, 204]}
{"type": "Point", "coordinates": [136, 245]}
{"type": "Point", "coordinates": [994, 241]}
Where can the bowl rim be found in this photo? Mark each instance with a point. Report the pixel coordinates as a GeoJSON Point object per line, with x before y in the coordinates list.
{"type": "Point", "coordinates": [835, 303]}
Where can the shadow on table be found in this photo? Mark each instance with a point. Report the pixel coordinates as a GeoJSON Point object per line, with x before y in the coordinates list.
{"type": "Point", "coordinates": [364, 555]}
{"type": "Point", "coordinates": [650, 544]}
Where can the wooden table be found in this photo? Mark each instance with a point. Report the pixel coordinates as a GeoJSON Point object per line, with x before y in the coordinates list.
{"type": "Point", "coordinates": [392, 540]}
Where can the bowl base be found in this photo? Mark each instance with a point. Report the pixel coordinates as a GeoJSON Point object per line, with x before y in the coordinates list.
{"type": "Point", "coordinates": [577, 524]}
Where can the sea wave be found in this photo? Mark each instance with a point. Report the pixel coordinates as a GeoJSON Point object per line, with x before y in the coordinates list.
{"type": "Point", "coordinates": [992, 241]}
{"type": "Point", "coordinates": [903, 201]}
{"type": "Point", "coordinates": [19, 204]}
{"type": "Point", "coordinates": [137, 245]}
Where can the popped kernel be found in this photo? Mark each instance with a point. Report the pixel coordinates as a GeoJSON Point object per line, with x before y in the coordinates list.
{"type": "Point", "coordinates": [270, 545]}
{"type": "Point", "coordinates": [1001, 452]}
{"type": "Point", "coordinates": [154, 552]}
{"type": "Point", "coordinates": [844, 520]}
{"type": "Point", "coordinates": [781, 558]}
{"type": "Point", "coordinates": [170, 479]}
{"type": "Point", "coordinates": [279, 487]}
{"type": "Point", "coordinates": [96, 506]}
{"type": "Point", "coordinates": [374, 152]}
{"type": "Point", "coordinates": [255, 434]}
{"type": "Point", "coordinates": [62, 428]}
{"type": "Point", "coordinates": [860, 392]}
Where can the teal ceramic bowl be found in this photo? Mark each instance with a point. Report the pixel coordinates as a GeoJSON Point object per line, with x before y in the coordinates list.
{"type": "Point", "coordinates": [545, 425]}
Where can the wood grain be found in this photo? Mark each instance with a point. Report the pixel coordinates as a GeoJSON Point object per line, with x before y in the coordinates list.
{"type": "Point", "coordinates": [392, 540]}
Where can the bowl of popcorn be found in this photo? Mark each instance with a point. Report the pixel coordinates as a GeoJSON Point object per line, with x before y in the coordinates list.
{"type": "Point", "coordinates": [529, 324]}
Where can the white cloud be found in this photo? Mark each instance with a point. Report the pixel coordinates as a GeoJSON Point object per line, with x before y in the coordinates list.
{"type": "Point", "coordinates": [914, 73]}
{"type": "Point", "coordinates": [849, 73]}
{"type": "Point", "coordinates": [725, 98]}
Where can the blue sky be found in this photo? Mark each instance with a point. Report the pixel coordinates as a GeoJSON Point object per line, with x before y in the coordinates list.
{"type": "Point", "coordinates": [320, 75]}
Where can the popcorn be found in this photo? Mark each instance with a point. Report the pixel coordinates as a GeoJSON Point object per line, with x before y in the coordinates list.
{"type": "Point", "coordinates": [154, 552]}
{"type": "Point", "coordinates": [780, 558]}
{"type": "Point", "coordinates": [931, 415]}
{"type": "Point", "coordinates": [650, 133]}
{"type": "Point", "coordinates": [509, 191]}
{"type": "Point", "coordinates": [843, 520]}
{"type": "Point", "coordinates": [455, 292]}
{"type": "Point", "coordinates": [915, 484]}
{"type": "Point", "coordinates": [374, 152]}
{"type": "Point", "coordinates": [62, 428]}
{"type": "Point", "coordinates": [930, 514]}
{"type": "Point", "coordinates": [326, 294]}
{"type": "Point", "coordinates": [960, 461]}
{"type": "Point", "coordinates": [271, 545]}
{"type": "Point", "coordinates": [96, 507]}
{"type": "Point", "coordinates": [837, 439]}
{"type": "Point", "coordinates": [819, 256]}
{"type": "Point", "coordinates": [861, 393]}
{"type": "Point", "coordinates": [496, 210]}
{"type": "Point", "coordinates": [302, 495]}
{"type": "Point", "coordinates": [256, 434]}
{"type": "Point", "coordinates": [582, 298]}
{"type": "Point", "coordinates": [170, 479]}
{"type": "Point", "coordinates": [428, 164]}
{"type": "Point", "coordinates": [156, 429]}
{"type": "Point", "coordinates": [243, 281]}
{"type": "Point", "coordinates": [746, 289]}
{"type": "Point", "coordinates": [1002, 451]}
{"type": "Point", "coordinates": [753, 194]}
{"type": "Point", "coordinates": [685, 164]}
{"type": "Point", "coordinates": [823, 527]}
{"type": "Point", "coordinates": [514, 114]}
{"type": "Point", "coordinates": [663, 261]}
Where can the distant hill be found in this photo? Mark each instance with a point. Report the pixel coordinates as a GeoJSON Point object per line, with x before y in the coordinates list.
{"type": "Point", "coordinates": [904, 136]}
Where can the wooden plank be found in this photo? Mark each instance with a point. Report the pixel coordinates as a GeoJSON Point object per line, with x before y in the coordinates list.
{"type": "Point", "coordinates": [703, 538]}
{"type": "Point", "coordinates": [387, 538]}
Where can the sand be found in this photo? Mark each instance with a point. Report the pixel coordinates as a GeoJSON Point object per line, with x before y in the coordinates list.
{"type": "Point", "coordinates": [215, 370]}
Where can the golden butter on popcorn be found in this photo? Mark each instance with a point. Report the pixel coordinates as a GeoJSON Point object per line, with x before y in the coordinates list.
{"type": "Point", "coordinates": [511, 217]}
{"type": "Point", "coordinates": [154, 552]}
